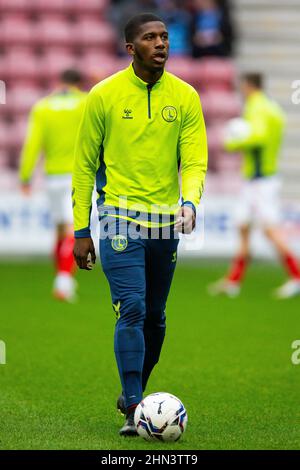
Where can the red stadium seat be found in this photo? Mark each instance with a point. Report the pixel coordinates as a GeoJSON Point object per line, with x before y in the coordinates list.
{"type": "Point", "coordinates": [215, 138]}
{"type": "Point", "coordinates": [25, 82]}
{"type": "Point", "coordinates": [3, 159]}
{"type": "Point", "coordinates": [15, 133]}
{"type": "Point", "coordinates": [219, 160]}
{"type": "Point", "coordinates": [216, 73]}
{"type": "Point", "coordinates": [69, 6]}
{"type": "Point", "coordinates": [54, 30]}
{"type": "Point", "coordinates": [218, 105]}
{"type": "Point", "coordinates": [20, 99]}
{"type": "Point", "coordinates": [19, 62]}
{"type": "Point", "coordinates": [59, 16]}
{"type": "Point", "coordinates": [13, 139]}
{"type": "Point", "coordinates": [91, 6]}
{"type": "Point", "coordinates": [11, 136]}
{"type": "Point", "coordinates": [3, 67]}
{"type": "Point", "coordinates": [183, 67]}
{"type": "Point", "coordinates": [55, 61]}
{"type": "Point", "coordinates": [15, 5]}
{"type": "Point", "coordinates": [50, 6]}
{"type": "Point", "coordinates": [17, 29]}
{"type": "Point", "coordinates": [204, 74]}
{"type": "Point", "coordinates": [3, 135]}
{"type": "Point", "coordinates": [90, 32]}
{"type": "Point", "coordinates": [97, 65]}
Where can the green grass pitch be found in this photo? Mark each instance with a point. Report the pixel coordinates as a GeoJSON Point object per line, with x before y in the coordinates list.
{"type": "Point", "coordinates": [228, 360]}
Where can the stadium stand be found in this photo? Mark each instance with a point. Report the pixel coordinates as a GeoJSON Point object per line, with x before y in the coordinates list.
{"type": "Point", "coordinates": [40, 38]}
{"type": "Point", "coordinates": [65, 6]}
{"type": "Point", "coordinates": [269, 37]}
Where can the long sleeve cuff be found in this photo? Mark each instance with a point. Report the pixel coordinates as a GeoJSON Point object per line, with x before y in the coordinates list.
{"type": "Point", "coordinates": [189, 204]}
{"type": "Point", "coordinates": [83, 233]}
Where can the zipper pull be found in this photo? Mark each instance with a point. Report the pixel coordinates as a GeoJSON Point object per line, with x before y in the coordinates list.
{"type": "Point", "coordinates": [149, 88]}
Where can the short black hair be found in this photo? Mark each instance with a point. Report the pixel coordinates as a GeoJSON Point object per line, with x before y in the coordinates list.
{"type": "Point", "coordinates": [71, 76]}
{"type": "Point", "coordinates": [255, 79]}
{"type": "Point", "coordinates": [133, 25]}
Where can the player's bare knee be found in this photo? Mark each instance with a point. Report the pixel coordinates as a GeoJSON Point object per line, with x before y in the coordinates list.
{"type": "Point", "coordinates": [269, 232]}
{"type": "Point", "coordinates": [244, 230]}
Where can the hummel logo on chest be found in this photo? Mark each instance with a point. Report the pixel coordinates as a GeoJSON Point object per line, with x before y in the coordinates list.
{"type": "Point", "coordinates": [127, 114]}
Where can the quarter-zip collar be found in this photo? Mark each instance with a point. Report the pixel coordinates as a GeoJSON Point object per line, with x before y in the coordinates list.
{"type": "Point", "coordinates": [139, 82]}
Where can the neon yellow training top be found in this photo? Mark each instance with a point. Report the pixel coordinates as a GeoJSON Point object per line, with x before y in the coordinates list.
{"type": "Point", "coordinates": [133, 137]}
{"type": "Point", "coordinates": [53, 127]}
{"type": "Point", "coordinates": [261, 148]}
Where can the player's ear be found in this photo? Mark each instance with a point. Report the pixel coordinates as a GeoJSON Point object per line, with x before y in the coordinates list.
{"type": "Point", "coordinates": [130, 48]}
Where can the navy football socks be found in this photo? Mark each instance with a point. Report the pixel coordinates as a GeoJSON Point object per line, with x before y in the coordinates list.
{"type": "Point", "coordinates": [154, 338]}
{"type": "Point", "coordinates": [130, 352]}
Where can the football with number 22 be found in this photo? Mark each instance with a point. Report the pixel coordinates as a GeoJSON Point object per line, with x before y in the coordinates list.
{"type": "Point", "coordinates": [160, 416]}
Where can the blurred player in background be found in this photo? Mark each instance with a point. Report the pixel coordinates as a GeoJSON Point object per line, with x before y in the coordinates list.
{"type": "Point", "coordinates": [53, 126]}
{"type": "Point", "coordinates": [139, 125]}
{"type": "Point", "coordinates": [258, 136]}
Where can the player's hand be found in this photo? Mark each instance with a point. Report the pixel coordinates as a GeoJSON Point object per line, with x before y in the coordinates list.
{"type": "Point", "coordinates": [84, 253]}
{"type": "Point", "coordinates": [186, 220]}
{"type": "Point", "coordinates": [26, 189]}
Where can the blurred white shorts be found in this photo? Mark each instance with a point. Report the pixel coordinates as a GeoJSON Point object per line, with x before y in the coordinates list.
{"type": "Point", "coordinates": [59, 188]}
{"type": "Point", "coordinates": [259, 202]}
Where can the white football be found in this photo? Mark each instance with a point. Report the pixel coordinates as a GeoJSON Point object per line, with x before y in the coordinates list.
{"type": "Point", "coordinates": [160, 416]}
{"type": "Point", "coordinates": [236, 129]}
